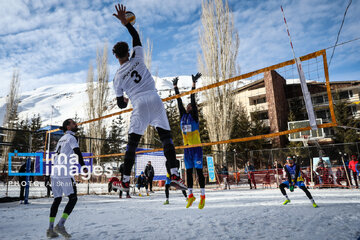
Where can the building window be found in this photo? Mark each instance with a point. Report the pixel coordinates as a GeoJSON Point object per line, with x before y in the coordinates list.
{"type": "Point", "coordinates": [261, 115]}
{"type": "Point", "coordinates": [324, 114]}
{"type": "Point", "coordinates": [343, 95]}
{"type": "Point", "coordinates": [318, 99]}
{"type": "Point", "coordinates": [259, 101]}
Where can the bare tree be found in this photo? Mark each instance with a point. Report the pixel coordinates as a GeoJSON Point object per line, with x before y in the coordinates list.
{"type": "Point", "coordinates": [12, 103]}
{"type": "Point", "coordinates": [219, 43]}
{"type": "Point", "coordinates": [98, 93]}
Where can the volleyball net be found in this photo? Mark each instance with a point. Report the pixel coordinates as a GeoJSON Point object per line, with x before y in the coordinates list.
{"type": "Point", "coordinates": [260, 92]}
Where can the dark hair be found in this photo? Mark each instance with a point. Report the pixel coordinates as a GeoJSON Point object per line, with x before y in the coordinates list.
{"type": "Point", "coordinates": [65, 124]}
{"type": "Point", "coordinates": [120, 49]}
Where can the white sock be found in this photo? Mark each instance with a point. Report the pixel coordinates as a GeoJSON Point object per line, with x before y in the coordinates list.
{"type": "Point", "coordinates": [202, 191]}
{"type": "Point", "coordinates": [190, 190]}
{"type": "Point", "coordinates": [174, 171]}
{"type": "Point", "coordinates": [312, 201]}
{"type": "Point", "coordinates": [126, 178]}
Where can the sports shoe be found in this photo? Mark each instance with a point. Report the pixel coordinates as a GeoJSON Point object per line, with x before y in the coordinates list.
{"type": "Point", "coordinates": [128, 196]}
{"type": "Point", "coordinates": [286, 201]}
{"type": "Point", "coordinates": [51, 234]}
{"type": "Point", "coordinates": [62, 231]}
{"type": "Point", "coordinates": [177, 182]}
{"type": "Point", "coordinates": [202, 202]}
{"type": "Point", "coordinates": [124, 186]}
{"type": "Point", "coordinates": [140, 195]}
{"type": "Point", "coordinates": [166, 202]}
{"type": "Point", "coordinates": [147, 194]}
{"type": "Point", "coordinates": [315, 205]}
{"type": "Point", "coordinates": [190, 201]}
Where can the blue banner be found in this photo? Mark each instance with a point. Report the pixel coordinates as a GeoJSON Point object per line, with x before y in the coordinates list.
{"type": "Point", "coordinates": [210, 164]}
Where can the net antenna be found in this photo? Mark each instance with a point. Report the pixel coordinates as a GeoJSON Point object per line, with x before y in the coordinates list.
{"type": "Point", "coordinates": [304, 88]}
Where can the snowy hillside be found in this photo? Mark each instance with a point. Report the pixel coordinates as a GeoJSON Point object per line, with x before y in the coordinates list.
{"type": "Point", "coordinates": [71, 99]}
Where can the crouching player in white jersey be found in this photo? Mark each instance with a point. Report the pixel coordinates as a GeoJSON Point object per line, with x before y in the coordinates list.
{"type": "Point", "coordinates": [294, 180]}
{"type": "Point", "coordinates": [135, 79]}
{"type": "Point", "coordinates": [62, 179]}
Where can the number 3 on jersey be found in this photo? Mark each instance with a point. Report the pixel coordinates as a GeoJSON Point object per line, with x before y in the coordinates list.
{"type": "Point", "coordinates": [137, 76]}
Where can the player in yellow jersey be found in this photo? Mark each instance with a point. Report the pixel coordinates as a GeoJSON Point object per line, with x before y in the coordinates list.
{"type": "Point", "coordinates": [193, 157]}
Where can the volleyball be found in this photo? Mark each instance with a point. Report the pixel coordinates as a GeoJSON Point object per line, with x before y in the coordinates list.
{"type": "Point", "coordinates": [130, 16]}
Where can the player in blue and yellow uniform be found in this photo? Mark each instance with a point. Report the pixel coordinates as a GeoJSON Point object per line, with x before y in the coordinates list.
{"type": "Point", "coordinates": [193, 157]}
{"type": "Point", "coordinates": [294, 180]}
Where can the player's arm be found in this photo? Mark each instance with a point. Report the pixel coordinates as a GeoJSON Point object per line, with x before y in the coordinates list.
{"type": "Point", "coordinates": [75, 146]}
{"type": "Point", "coordinates": [195, 113]}
{"type": "Point", "coordinates": [179, 101]}
{"type": "Point", "coordinates": [288, 174]}
{"type": "Point", "coordinates": [297, 172]}
{"type": "Point", "coordinates": [120, 99]}
{"type": "Point", "coordinates": [120, 14]}
{"type": "Point", "coordinates": [80, 157]}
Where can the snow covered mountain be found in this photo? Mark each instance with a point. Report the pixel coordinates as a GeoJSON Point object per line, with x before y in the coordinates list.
{"type": "Point", "coordinates": [71, 99]}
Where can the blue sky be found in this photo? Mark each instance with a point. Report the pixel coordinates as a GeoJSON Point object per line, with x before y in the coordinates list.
{"type": "Point", "coordinates": [53, 41]}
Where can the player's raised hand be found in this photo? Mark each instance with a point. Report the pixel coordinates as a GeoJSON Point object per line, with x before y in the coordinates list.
{"type": "Point", "coordinates": [196, 77]}
{"type": "Point", "coordinates": [175, 81]}
{"type": "Point", "coordinates": [120, 13]}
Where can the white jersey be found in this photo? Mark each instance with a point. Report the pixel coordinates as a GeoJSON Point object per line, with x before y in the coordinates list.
{"type": "Point", "coordinates": [133, 77]}
{"type": "Point", "coordinates": [61, 165]}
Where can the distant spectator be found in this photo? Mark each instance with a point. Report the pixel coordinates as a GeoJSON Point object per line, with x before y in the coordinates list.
{"type": "Point", "coordinates": [225, 173]}
{"type": "Point", "coordinates": [142, 183]}
{"type": "Point", "coordinates": [250, 169]}
{"type": "Point", "coordinates": [321, 163]}
{"type": "Point", "coordinates": [353, 168]}
{"type": "Point", "coordinates": [22, 180]}
{"type": "Point", "coordinates": [149, 173]}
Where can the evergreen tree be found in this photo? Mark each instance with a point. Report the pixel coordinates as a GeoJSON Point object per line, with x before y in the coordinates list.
{"type": "Point", "coordinates": [242, 128]}
{"type": "Point", "coordinates": [116, 143]}
{"type": "Point", "coordinates": [37, 139]}
{"type": "Point", "coordinates": [344, 117]}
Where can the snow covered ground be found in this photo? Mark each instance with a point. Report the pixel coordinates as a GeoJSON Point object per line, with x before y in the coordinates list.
{"type": "Point", "coordinates": [234, 214]}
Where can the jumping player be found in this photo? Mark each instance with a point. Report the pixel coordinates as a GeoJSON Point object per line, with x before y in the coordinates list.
{"type": "Point", "coordinates": [193, 157]}
{"type": "Point", "coordinates": [167, 185]}
{"type": "Point", "coordinates": [135, 79]}
{"type": "Point", "coordinates": [294, 179]}
{"type": "Point", "coordinates": [62, 181]}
